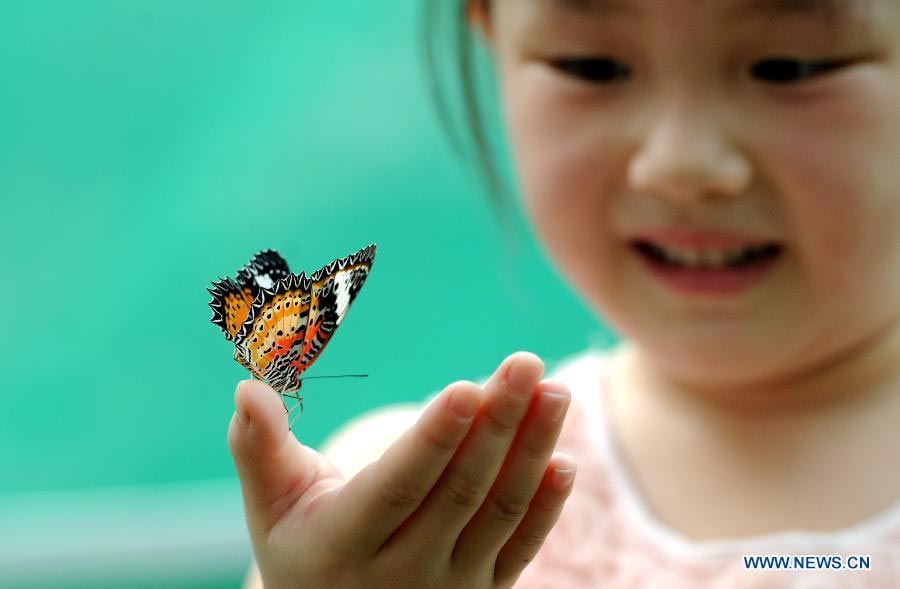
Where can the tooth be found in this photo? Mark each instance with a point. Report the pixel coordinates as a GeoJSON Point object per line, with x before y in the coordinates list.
{"type": "Point", "coordinates": [703, 258]}
{"type": "Point", "coordinates": [695, 257]}
{"type": "Point", "coordinates": [711, 258]}
{"type": "Point", "coordinates": [669, 255]}
{"type": "Point", "coordinates": [685, 256]}
{"type": "Point", "coordinates": [675, 255]}
{"type": "Point", "coordinates": [714, 258]}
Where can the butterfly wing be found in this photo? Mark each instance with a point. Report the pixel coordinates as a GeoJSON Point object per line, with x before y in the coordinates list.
{"type": "Point", "coordinates": [230, 306]}
{"type": "Point", "coordinates": [280, 322]}
{"type": "Point", "coordinates": [263, 271]}
{"type": "Point", "coordinates": [270, 343]}
{"type": "Point", "coordinates": [232, 300]}
{"type": "Point", "coordinates": [333, 289]}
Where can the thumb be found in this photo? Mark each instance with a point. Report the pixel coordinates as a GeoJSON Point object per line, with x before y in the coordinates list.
{"type": "Point", "coordinates": [274, 468]}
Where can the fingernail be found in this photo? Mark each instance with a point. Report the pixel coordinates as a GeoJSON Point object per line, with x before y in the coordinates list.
{"type": "Point", "coordinates": [554, 399]}
{"type": "Point", "coordinates": [551, 406]}
{"type": "Point", "coordinates": [239, 408]}
{"type": "Point", "coordinates": [464, 402]}
{"type": "Point", "coordinates": [563, 477]}
{"type": "Point", "coordinates": [554, 386]}
{"type": "Point", "coordinates": [519, 377]}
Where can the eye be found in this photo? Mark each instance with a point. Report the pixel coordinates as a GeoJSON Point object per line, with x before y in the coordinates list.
{"type": "Point", "coordinates": [783, 70]}
{"type": "Point", "coordinates": [595, 70]}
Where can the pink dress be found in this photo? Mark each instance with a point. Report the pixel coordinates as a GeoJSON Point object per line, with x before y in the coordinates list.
{"type": "Point", "coordinates": [606, 538]}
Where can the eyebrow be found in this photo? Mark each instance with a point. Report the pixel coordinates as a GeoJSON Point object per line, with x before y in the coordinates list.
{"type": "Point", "coordinates": [595, 7]}
{"type": "Point", "coordinates": [788, 7]}
{"type": "Point", "coordinates": [766, 7]}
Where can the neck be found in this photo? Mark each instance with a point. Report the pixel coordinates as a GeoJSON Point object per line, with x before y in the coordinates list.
{"type": "Point", "coordinates": [746, 455]}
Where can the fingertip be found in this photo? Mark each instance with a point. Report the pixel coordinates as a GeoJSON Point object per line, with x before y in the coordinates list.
{"type": "Point", "coordinates": [521, 370]}
{"type": "Point", "coordinates": [255, 400]}
{"type": "Point", "coordinates": [465, 398]}
{"type": "Point", "coordinates": [551, 385]}
{"type": "Point", "coordinates": [563, 460]}
{"type": "Point", "coordinates": [563, 469]}
{"type": "Point", "coordinates": [240, 409]}
{"type": "Point", "coordinates": [532, 360]}
{"type": "Point", "coordinates": [259, 415]}
{"type": "Point", "coordinates": [233, 426]}
{"type": "Point", "coordinates": [240, 422]}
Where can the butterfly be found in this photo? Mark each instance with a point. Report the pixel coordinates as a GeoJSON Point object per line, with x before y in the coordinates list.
{"type": "Point", "coordinates": [280, 322]}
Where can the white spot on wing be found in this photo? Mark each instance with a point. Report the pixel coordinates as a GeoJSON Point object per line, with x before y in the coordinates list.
{"type": "Point", "coordinates": [264, 280]}
{"type": "Point", "coordinates": [342, 284]}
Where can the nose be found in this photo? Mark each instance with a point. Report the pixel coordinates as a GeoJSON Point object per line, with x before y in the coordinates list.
{"type": "Point", "coordinates": [685, 155]}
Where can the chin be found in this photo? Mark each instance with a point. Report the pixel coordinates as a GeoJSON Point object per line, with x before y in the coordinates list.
{"type": "Point", "coordinates": [714, 359]}
{"type": "Point", "coordinates": [714, 367]}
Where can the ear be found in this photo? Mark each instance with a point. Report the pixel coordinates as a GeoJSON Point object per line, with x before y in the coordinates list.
{"type": "Point", "coordinates": [478, 17]}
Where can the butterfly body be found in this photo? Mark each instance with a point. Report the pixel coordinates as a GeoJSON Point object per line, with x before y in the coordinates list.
{"type": "Point", "coordinates": [280, 322]}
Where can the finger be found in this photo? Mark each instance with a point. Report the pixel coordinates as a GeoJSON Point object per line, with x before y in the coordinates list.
{"type": "Point", "coordinates": [518, 481]}
{"type": "Point", "coordinates": [384, 494]}
{"type": "Point", "coordinates": [465, 483]}
{"type": "Point", "coordinates": [275, 469]}
{"type": "Point", "coordinates": [542, 515]}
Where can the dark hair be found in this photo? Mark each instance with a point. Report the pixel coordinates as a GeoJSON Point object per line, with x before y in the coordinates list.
{"type": "Point", "coordinates": [451, 62]}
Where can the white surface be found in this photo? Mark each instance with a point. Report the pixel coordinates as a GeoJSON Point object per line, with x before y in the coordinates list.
{"type": "Point", "coordinates": [166, 533]}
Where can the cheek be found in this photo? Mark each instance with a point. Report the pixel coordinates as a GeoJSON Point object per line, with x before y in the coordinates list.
{"type": "Point", "coordinates": [836, 169]}
{"type": "Point", "coordinates": [566, 173]}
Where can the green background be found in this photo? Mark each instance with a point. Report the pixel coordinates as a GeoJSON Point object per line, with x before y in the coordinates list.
{"type": "Point", "coordinates": [147, 148]}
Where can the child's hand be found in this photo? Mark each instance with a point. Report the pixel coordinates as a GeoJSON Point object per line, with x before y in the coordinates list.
{"type": "Point", "coordinates": [436, 511]}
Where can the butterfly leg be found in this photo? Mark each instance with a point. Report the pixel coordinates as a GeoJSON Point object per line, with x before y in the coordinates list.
{"type": "Point", "coordinates": [281, 395]}
{"type": "Point", "coordinates": [299, 400]}
{"type": "Point", "coordinates": [290, 410]}
{"type": "Point", "coordinates": [296, 417]}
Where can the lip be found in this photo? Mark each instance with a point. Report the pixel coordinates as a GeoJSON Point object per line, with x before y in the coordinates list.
{"type": "Point", "coordinates": [700, 240]}
{"type": "Point", "coordinates": [707, 283]}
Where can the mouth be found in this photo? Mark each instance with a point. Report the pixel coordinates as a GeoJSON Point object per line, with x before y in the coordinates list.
{"type": "Point", "coordinates": [708, 259]}
{"type": "Point", "coordinates": [709, 271]}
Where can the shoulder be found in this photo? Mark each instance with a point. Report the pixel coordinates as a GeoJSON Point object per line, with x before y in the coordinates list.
{"type": "Point", "coordinates": [364, 438]}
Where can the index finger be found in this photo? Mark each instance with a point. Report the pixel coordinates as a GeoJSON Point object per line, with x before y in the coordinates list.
{"type": "Point", "coordinates": [385, 493]}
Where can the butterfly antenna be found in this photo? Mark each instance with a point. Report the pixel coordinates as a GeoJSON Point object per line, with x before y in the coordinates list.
{"type": "Point", "coordinates": [337, 376]}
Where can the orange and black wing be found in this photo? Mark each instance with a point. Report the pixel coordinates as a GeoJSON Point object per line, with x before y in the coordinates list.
{"type": "Point", "coordinates": [280, 322]}
{"type": "Point", "coordinates": [333, 289]}
{"type": "Point", "coordinates": [270, 343]}
{"type": "Point", "coordinates": [232, 299]}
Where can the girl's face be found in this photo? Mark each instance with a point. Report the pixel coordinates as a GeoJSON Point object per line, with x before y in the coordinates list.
{"type": "Point", "coordinates": [704, 126]}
